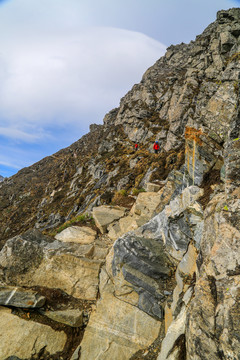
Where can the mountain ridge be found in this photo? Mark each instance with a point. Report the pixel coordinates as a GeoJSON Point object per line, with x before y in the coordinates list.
{"type": "Point", "coordinates": [143, 115]}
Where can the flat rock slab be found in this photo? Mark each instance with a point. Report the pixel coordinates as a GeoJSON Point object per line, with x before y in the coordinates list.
{"type": "Point", "coordinates": [117, 330]}
{"type": "Point", "coordinates": [81, 235]}
{"type": "Point", "coordinates": [18, 297]}
{"type": "Point", "coordinates": [72, 317]}
{"type": "Point", "coordinates": [23, 339]}
{"type": "Point", "coordinates": [105, 215]}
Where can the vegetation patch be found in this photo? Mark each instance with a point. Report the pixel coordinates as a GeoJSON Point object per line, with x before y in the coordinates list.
{"type": "Point", "coordinates": [121, 198]}
{"type": "Point", "coordinates": [135, 191]}
{"type": "Point", "coordinates": [80, 220]}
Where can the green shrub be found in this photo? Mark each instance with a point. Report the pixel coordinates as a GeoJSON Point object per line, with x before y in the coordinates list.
{"type": "Point", "coordinates": [83, 219]}
{"type": "Point", "coordinates": [135, 191]}
{"type": "Point", "coordinates": [122, 192]}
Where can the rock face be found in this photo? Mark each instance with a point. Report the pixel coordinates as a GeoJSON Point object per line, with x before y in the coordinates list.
{"type": "Point", "coordinates": [215, 307]}
{"type": "Point", "coordinates": [157, 277]}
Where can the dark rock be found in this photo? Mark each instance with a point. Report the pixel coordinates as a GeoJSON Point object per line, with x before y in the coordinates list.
{"type": "Point", "coordinates": [149, 305]}
{"type": "Point", "coordinates": [19, 297]}
{"type": "Point", "coordinates": [144, 255]}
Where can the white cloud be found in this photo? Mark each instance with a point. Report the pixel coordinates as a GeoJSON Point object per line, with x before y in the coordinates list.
{"type": "Point", "coordinates": [14, 133]}
{"type": "Point", "coordinates": [65, 77]}
{"type": "Point", "coordinates": [65, 63]}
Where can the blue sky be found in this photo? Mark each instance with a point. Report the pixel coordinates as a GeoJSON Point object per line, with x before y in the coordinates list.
{"type": "Point", "coordinates": [65, 63]}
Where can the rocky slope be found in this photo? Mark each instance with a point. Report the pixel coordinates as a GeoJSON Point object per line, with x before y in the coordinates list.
{"type": "Point", "coordinates": [158, 276]}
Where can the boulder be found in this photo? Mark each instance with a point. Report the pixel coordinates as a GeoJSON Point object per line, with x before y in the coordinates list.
{"type": "Point", "coordinates": [30, 260]}
{"type": "Point", "coordinates": [23, 339]}
{"type": "Point", "coordinates": [125, 224]}
{"type": "Point", "coordinates": [80, 235]}
{"type": "Point", "coordinates": [105, 215]}
{"type": "Point", "coordinates": [147, 257]}
{"type": "Point", "coordinates": [18, 297]}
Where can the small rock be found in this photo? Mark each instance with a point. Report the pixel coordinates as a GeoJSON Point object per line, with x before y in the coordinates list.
{"type": "Point", "coordinates": [153, 187]}
{"type": "Point", "coordinates": [105, 215]}
{"type": "Point", "coordinates": [81, 235]}
{"type": "Point", "coordinates": [16, 296]}
{"type": "Point", "coordinates": [73, 317]}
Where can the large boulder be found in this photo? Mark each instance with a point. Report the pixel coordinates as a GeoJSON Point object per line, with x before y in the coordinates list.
{"type": "Point", "coordinates": [146, 204]}
{"type": "Point", "coordinates": [36, 260]}
{"type": "Point", "coordinates": [147, 257]}
{"type": "Point", "coordinates": [76, 276]}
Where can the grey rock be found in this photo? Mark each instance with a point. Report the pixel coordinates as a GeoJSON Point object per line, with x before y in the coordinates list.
{"type": "Point", "coordinates": [52, 221]}
{"type": "Point", "coordinates": [70, 317]}
{"type": "Point", "coordinates": [149, 305]}
{"type": "Point", "coordinates": [148, 256]}
{"type": "Point", "coordinates": [19, 297]}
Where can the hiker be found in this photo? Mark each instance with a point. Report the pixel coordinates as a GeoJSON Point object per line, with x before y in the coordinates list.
{"type": "Point", "coordinates": [156, 147]}
{"type": "Point", "coordinates": [136, 147]}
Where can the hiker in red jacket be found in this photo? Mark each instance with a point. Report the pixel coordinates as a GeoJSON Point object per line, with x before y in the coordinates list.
{"type": "Point", "coordinates": [156, 147]}
{"type": "Point", "coordinates": [136, 146]}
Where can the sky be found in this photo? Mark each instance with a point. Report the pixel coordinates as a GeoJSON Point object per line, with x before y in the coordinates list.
{"type": "Point", "coordinates": [65, 63]}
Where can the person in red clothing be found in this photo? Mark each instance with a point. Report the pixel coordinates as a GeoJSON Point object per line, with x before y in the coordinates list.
{"type": "Point", "coordinates": [156, 147]}
{"type": "Point", "coordinates": [136, 146]}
